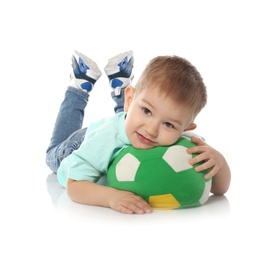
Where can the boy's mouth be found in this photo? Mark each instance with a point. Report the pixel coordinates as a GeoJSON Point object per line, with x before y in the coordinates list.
{"type": "Point", "coordinates": [144, 140]}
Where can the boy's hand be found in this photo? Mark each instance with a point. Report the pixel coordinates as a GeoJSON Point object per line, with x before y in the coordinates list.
{"type": "Point", "coordinates": [129, 203]}
{"type": "Point", "coordinates": [210, 158]}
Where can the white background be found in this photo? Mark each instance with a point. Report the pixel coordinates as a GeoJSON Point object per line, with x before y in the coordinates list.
{"type": "Point", "coordinates": [234, 45]}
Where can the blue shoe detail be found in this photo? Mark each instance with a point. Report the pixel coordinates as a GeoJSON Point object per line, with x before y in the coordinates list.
{"type": "Point", "coordinates": [123, 63]}
{"type": "Point", "coordinates": [125, 69]}
{"type": "Point", "coordinates": [86, 86]}
{"type": "Point", "coordinates": [116, 83]}
{"type": "Point", "coordinates": [76, 71]}
{"type": "Point", "coordinates": [80, 70]}
{"type": "Point", "coordinates": [83, 66]}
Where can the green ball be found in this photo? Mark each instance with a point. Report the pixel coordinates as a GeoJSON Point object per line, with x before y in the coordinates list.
{"type": "Point", "coordinates": [161, 175]}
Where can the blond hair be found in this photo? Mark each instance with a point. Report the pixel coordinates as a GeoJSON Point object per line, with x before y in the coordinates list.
{"type": "Point", "coordinates": [177, 79]}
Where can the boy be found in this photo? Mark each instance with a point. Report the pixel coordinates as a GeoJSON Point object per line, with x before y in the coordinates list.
{"type": "Point", "coordinates": [163, 106]}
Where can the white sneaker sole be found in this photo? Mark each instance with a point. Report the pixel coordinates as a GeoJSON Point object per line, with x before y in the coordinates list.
{"type": "Point", "coordinates": [94, 72]}
{"type": "Point", "coordinates": [111, 67]}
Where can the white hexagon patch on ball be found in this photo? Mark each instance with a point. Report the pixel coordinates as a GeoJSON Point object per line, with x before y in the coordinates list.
{"type": "Point", "coordinates": [178, 158]}
{"type": "Point", "coordinates": [127, 168]}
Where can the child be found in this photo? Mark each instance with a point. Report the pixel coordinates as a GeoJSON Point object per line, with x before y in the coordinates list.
{"type": "Point", "coordinates": [162, 106]}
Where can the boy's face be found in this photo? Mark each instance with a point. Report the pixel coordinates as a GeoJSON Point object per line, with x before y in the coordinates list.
{"type": "Point", "coordinates": [154, 120]}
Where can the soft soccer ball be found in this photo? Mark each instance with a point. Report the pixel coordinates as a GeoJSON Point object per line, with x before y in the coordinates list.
{"type": "Point", "coordinates": [161, 175]}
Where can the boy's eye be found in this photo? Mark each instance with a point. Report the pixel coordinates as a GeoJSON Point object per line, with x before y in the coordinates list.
{"type": "Point", "coordinates": [169, 125]}
{"type": "Point", "coordinates": [146, 111]}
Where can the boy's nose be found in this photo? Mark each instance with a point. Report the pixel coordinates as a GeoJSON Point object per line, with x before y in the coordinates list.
{"type": "Point", "coordinates": [152, 129]}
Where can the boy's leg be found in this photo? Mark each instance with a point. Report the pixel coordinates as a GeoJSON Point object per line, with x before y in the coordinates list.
{"type": "Point", "coordinates": [67, 134]}
{"type": "Point", "coordinates": [70, 116]}
{"type": "Point", "coordinates": [119, 71]}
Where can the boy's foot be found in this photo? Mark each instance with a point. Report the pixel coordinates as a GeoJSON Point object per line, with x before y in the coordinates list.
{"type": "Point", "coordinates": [85, 72]}
{"type": "Point", "coordinates": [119, 71]}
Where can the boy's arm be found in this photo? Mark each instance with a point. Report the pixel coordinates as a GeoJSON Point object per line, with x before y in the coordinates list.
{"type": "Point", "coordinates": [221, 181]}
{"type": "Point", "coordinates": [213, 160]}
{"type": "Point", "coordinates": [91, 193]}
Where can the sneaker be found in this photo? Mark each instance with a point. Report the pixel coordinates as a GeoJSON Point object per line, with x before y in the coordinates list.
{"type": "Point", "coordinates": [85, 72]}
{"type": "Point", "coordinates": [119, 71]}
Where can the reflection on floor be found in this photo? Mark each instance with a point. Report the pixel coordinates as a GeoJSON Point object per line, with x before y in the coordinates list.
{"type": "Point", "coordinates": [215, 206]}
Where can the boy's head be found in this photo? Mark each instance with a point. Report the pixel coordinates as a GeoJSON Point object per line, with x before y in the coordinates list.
{"type": "Point", "coordinates": [177, 79]}
{"type": "Point", "coordinates": [167, 97]}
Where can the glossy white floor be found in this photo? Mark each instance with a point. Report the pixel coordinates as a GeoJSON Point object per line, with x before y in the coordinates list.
{"type": "Point", "coordinates": [234, 46]}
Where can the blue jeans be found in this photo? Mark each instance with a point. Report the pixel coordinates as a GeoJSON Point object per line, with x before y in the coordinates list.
{"type": "Point", "coordinates": [68, 133]}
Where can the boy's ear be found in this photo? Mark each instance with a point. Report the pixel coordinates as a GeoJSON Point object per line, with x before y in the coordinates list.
{"type": "Point", "coordinates": [190, 127]}
{"type": "Point", "coordinates": [128, 97]}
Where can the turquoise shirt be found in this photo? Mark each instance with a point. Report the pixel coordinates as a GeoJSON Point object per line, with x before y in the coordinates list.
{"type": "Point", "coordinates": [103, 141]}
